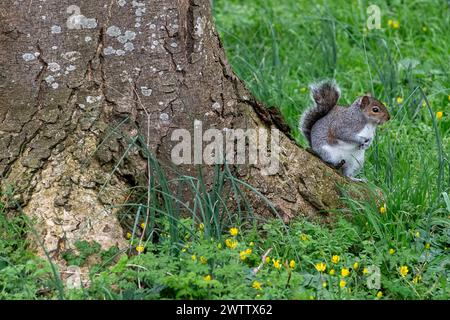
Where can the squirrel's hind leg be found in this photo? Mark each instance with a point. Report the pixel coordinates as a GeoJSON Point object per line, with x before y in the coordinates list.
{"type": "Point", "coordinates": [354, 165]}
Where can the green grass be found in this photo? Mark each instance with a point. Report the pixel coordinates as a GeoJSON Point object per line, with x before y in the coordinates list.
{"type": "Point", "coordinates": [278, 47]}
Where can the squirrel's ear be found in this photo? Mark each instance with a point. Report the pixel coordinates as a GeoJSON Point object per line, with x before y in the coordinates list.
{"type": "Point", "coordinates": [365, 101]}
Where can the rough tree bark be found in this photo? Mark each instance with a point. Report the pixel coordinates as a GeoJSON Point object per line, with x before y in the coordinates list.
{"type": "Point", "coordinates": [68, 75]}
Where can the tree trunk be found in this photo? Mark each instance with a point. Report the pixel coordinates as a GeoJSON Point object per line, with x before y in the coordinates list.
{"type": "Point", "coordinates": [72, 70]}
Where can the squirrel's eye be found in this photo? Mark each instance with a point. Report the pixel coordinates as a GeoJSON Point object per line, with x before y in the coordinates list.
{"type": "Point", "coordinates": [375, 109]}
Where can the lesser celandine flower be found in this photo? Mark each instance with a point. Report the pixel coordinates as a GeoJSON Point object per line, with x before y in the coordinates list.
{"type": "Point", "coordinates": [427, 246]}
{"type": "Point", "coordinates": [244, 254]}
{"type": "Point", "coordinates": [345, 272]}
{"type": "Point", "coordinates": [439, 115]}
{"type": "Point", "coordinates": [391, 251]}
{"type": "Point", "coordinates": [201, 226]}
{"type": "Point", "coordinates": [207, 278]}
{"type": "Point", "coordinates": [234, 232]}
{"type": "Point", "coordinates": [399, 99]}
{"type": "Point", "coordinates": [404, 271]}
{"type": "Point", "coordinates": [267, 259]}
{"type": "Point", "coordinates": [416, 279]}
{"type": "Point", "coordinates": [304, 237]}
{"type": "Point", "coordinates": [320, 266]}
{"type": "Point", "coordinates": [355, 265]}
{"type": "Point", "coordinates": [140, 248]}
{"type": "Point", "coordinates": [396, 24]}
{"type": "Point", "coordinates": [383, 209]}
{"type": "Point", "coordinates": [128, 235]}
{"type": "Point", "coordinates": [379, 294]}
{"type": "Point", "coordinates": [332, 272]}
{"type": "Point", "coordinates": [342, 283]}
{"type": "Point", "coordinates": [390, 22]}
{"type": "Point", "coordinates": [203, 260]}
{"type": "Point", "coordinates": [292, 264]}
{"type": "Point", "coordinates": [365, 271]}
{"type": "Point", "coordinates": [335, 259]}
{"type": "Point", "coordinates": [194, 257]}
{"type": "Point", "coordinates": [256, 285]}
{"type": "Point", "coordinates": [324, 284]}
{"type": "Point", "coordinates": [231, 243]}
{"type": "Point", "coordinates": [276, 264]}
{"type": "Point", "coordinates": [143, 225]}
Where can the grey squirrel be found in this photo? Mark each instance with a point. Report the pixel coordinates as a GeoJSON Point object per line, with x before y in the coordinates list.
{"type": "Point", "coordinates": [340, 135]}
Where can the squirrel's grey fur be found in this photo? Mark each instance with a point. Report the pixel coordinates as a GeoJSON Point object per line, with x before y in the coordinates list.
{"type": "Point", "coordinates": [340, 135]}
{"type": "Point", "coordinates": [325, 96]}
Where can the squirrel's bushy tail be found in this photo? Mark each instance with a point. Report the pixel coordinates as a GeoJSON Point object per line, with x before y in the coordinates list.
{"type": "Point", "coordinates": [325, 96]}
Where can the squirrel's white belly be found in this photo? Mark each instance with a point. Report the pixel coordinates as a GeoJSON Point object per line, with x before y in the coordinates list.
{"type": "Point", "coordinates": [341, 151]}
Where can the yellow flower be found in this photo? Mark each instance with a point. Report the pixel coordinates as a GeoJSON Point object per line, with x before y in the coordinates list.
{"type": "Point", "coordinates": [391, 251]}
{"type": "Point", "coordinates": [342, 283]}
{"type": "Point", "coordinates": [345, 272]}
{"type": "Point", "coordinates": [417, 234]}
{"type": "Point", "coordinates": [439, 115]}
{"type": "Point", "coordinates": [332, 272]}
{"type": "Point", "coordinates": [303, 89]}
{"type": "Point", "coordinates": [231, 243]}
{"type": "Point", "coordinates": [143, 225]}
{"type": "Point", "coordinates": [194, 257]}
{"type": "Point", "coordinates": [404, 271]}
{"type": "Point", "coordinates": [128, 235]}
{"type": "Point", "coordinates": [365, 271]}
{"type": "Point", "coordinates": [355, 266]}
{"type": "Point", "coordinates": [390, 22]}
{"type": "Point", "coordinates": [244, 254]}
{"type": "Point", "coordinates": [207, 278]}
{"type": "Point", "coordinates": [256, 285]}
{"type": "Point", "coordinates": [201, 226]}
{"type": "Point", "coordinates": [304, 237]}
{"type": "Point", "coordinates": [399, 100]}
{"type": "Point", "coordinates": [324, 284]}
{"type": "Point", "coordinates": [448, 97]}
{"type": "Point", "coordinates": [140, 248]}
{"type": "Point", "coordinates": [276, 264]}
{"type": "Point", "coordinates": [427, 246]}
{"type": "Point", "coordinates": [335, 259]}
{"type": "Point", "coordinates": [292, 264]}
{"type": "Point", "coordinates": [383, 209]}
{"type": "Point", "coordinates": [416, 279]}
{"type": "Point", "coordinates": [267, 259]}
{"type": "Point", "coordinates": [379, 294]}
{"type": "Point", "coordinates": [203, 260]}
{"type": "Point", "coordinates": [234, 232]}
{"type": "Point", "coordinates": [321, 267]}
{"type": "Point", "coordinates": [395, 24]}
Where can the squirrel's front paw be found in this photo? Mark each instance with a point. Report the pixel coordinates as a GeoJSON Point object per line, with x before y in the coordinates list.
{"type": "Point", "coordinates": [366, 144]}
